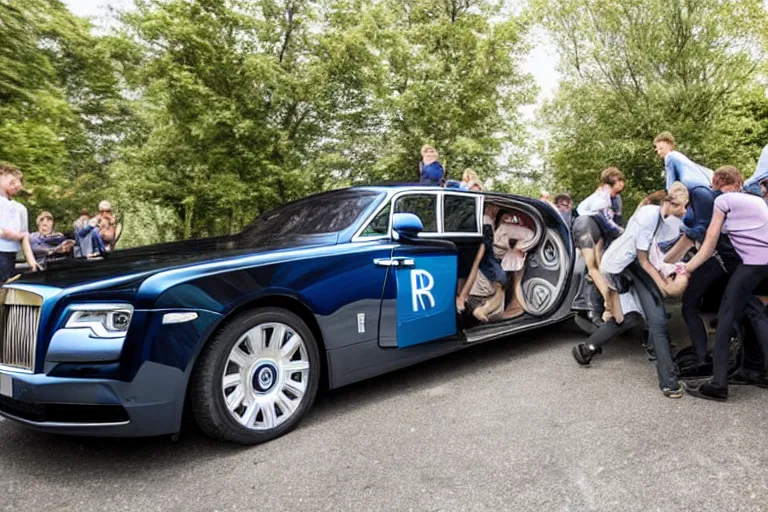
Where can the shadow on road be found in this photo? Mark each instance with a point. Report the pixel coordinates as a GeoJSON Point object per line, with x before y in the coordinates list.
{"type": "Point", "coordinates": [30, 452]}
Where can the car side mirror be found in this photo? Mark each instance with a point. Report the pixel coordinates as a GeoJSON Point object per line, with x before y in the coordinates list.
{"type": "Point", "coordinates": [406, 225]}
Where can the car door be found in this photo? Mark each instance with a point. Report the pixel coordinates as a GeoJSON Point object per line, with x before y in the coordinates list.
{"type": "Point", "coordinates": [418, 305]}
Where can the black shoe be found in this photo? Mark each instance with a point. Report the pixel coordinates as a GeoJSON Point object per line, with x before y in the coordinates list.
{"type": "Point", "coordinates": [710, 391]}
{"type": "Point", "coordinates": [741, 377]}
{"type": "Point", "coordinates": [583, 354]}
{"type": "Point", "coordinates": [696, 371]}
{"type": "Point", "coordinates": [760, 381]}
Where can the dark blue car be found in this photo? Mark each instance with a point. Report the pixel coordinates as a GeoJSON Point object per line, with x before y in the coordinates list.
{"type": "Point", "coordinates": [241, 331]}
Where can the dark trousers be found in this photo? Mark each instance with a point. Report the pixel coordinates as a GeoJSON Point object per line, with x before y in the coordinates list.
{"type": "Point", "coordinates": [698, 284]}
{"type": "Point", "coordinates": [737, 302]}
{"type": "Point", "coordinates": [610, 330]}
{"type": "Point", "coordinates": [652, 303]}
{"type": "Point", "coordinates": [7, 266]}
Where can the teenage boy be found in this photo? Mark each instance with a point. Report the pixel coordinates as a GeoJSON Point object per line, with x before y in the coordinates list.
{"type": "Point", "coordinates": [564, 205]}
{"type": "Point", "coordinates": [14, 234]}
{"type": "Point", "coordinates": [744, 218]}
{"type": "Point", "coordinates": [628, 259]}
{"type": "Point", "coordinates": [431, 171]}
{"type": "Point", "coordinates": [46, 243]}
{"type": "Point", "coordinates": [698, 180]}
{"type": "Point", "coordinates": [594, 227]}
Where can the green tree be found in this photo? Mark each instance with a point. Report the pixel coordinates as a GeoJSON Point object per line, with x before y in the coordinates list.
{"type": "Point", "coordinates": [61, 112]}
{"type": "Point", "coordinates": [248, 104]}
{"type": "Point", "coordinates": [632, 69]}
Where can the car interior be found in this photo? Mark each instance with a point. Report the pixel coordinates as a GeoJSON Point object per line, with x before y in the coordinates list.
{"type": "Point", "coordinates": [529, 293]}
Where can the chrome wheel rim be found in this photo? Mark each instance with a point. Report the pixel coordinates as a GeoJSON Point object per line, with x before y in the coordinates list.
{"type": "Point", "coordinates": [266, 376]}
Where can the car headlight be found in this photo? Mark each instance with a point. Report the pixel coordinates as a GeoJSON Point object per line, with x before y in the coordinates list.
{"type": "Point", "coordinates": [105, 320]}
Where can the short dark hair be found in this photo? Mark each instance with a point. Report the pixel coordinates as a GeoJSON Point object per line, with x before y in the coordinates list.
{"type": "Point", "coordinates": [611, 176]}
{"type": "Point", "coordinates": [84, 212]}
{"type": "Point", "coordinates": [563, 197]}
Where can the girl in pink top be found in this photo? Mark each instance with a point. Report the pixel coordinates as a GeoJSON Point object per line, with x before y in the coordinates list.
{"type": "Point", "coordinates": [745, 219]}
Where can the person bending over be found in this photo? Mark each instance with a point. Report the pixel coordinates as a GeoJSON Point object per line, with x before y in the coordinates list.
{"type": "Point", "coordinates": [698, 180]}
{"type": "Point", "coordinates": [594, 227]}
{"type": "Point", "coordinates": [744, 218]}
{"type": "Point", "coordinates": [627, 260]}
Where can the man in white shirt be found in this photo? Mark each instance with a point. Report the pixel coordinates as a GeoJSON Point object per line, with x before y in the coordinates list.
{"type": "Point", "coordinates": [627, 258]}
{"type": "Point", "coordinates": [14, 224]}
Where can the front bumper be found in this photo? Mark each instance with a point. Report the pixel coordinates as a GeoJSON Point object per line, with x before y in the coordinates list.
{"type": "Point", "coordinates": [151, 404]}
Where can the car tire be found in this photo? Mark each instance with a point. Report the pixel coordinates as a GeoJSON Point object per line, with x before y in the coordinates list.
{"type": "Point", "coordinates": [263, 378]}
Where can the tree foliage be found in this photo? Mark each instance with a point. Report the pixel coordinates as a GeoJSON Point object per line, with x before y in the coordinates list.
{"type": "Point", "coordinates": [247, 104]}
{"type": "Point", "coordinates": [61, 112]}
{"type": "Point", "coordinates": [632, 69]}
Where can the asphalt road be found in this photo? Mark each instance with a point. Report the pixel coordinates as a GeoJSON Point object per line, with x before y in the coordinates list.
{"type": "Point", "coordinates": [513, 425]}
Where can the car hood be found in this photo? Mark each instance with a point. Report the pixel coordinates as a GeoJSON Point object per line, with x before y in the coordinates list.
{"type": "Point", "coordinates": [143, 262]}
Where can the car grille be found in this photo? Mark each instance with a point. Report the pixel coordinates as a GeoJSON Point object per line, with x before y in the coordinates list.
{"type": "Point", "coordinates": [19, 320]}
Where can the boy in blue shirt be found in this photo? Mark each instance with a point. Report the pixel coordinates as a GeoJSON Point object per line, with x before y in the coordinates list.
{"type": "Point", "coordinates": [430, 170]}
{"type": "Point", "coordinates": [698, 180]}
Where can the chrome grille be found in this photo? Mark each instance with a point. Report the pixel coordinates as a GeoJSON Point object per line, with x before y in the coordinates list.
{"type": "Point", "coordinates": [19, 320]}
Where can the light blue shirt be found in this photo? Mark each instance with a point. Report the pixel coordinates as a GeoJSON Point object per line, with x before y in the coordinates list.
{"type": "Point", "coordinates": [681, 168]}
{"type": "Point", "coordinates": [752, 185]}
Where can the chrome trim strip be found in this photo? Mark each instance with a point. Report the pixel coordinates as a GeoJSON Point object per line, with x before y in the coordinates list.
{"type": "Point", "coordinates": [14, 369]}
{"type": "Point", "coordinates": [58, 424]}
{"type": "Point", "coordinates": [440, 194]}
{"type": "Point", "coordinates": [517, 329]}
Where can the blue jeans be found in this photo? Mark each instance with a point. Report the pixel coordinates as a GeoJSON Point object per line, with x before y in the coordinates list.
{"type": "Point", "coordinates": [652, 303]}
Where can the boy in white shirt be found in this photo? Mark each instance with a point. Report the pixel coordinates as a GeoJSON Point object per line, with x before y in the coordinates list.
{"type": "Point", "coordinates": [14, 224]}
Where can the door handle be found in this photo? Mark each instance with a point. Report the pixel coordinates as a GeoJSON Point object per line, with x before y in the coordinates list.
{"type": "Point", "coordinates": [394, 262]}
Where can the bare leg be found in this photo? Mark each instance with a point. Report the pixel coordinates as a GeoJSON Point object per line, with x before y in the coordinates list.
{"type": "Point", "coordinates": [593, 268]}
{"type": "Point", "coordinates": [492, 304]}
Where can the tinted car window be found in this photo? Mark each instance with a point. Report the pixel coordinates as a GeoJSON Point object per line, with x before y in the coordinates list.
{"type": "Point", "coordinates": [379, 225]}
{"type": "Point", "coordinates": [326, 213]}
{"type": "Point", "coordinates": [459, 214]}
{"type": "Point", "coordinates": [424, 206]}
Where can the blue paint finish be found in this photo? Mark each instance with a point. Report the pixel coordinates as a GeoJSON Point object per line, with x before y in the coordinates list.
{"type": "Point", "coordinates": [365, 313]}
{"type": "Point", "coordinates": [81, 346]}
{"type": "Point", "coordinates": [426, 308]}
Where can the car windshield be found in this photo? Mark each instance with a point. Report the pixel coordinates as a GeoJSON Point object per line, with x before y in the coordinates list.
{"type": "Point", "coordinates": [326, 213]}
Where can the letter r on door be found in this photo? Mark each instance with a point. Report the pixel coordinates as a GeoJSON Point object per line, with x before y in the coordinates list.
{"type": "Point", "coordinates": [421, 288]}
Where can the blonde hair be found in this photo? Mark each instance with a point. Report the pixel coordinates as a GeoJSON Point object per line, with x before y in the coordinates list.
{"type": "Point", "coordinates": [665, 137]}
{"type": "Point", "coordinates": [469, 175]}
{"type": "Point", "coordinates": [6, 168]}
{"type": "Point", "coordinates": [426, 147]}
{"type": "Point", "coordinates": [677, 193]}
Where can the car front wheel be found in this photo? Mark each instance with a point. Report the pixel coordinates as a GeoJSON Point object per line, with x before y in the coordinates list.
{"type": "Point", "coordinates": [256, 378]}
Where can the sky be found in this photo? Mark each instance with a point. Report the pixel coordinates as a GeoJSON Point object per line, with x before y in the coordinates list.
{"type": "Point", "coordinates": [541, 62]}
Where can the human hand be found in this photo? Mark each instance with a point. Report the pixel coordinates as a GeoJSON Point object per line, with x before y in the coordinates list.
{"type": "Point", "coordinates": [460, 303]}
{"type": "Point", "coordinates": [34, 266]}
{"type": "Point", "coordinates": [681, 269]}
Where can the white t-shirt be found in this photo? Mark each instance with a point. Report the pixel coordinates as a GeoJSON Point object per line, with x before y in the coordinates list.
{"type": "Point", "coordinates": [641, 229]}
{"type": "Point", "coordinates": [13, 216]}
{"type": "Point", "coordinates": [599, 201]}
